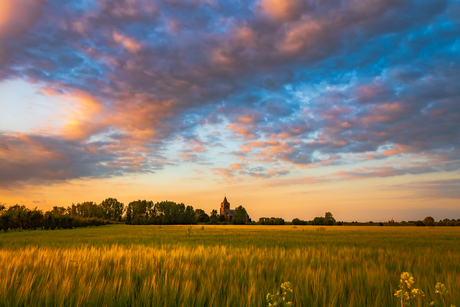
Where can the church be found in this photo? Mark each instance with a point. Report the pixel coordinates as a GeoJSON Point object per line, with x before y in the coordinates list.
{"type": "Point", "coordinates": [225, 210]}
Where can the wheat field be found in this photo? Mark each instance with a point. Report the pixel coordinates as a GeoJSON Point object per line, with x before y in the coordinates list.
{"type": "Point", "coordinates": [120, 265]}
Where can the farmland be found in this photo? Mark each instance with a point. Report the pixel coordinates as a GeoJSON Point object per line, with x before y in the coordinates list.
{"type": "Point", "coordinates": [120, 265]}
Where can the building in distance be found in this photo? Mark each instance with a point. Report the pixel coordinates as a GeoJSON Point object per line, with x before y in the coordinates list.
{"type": "Point", "coordinates": [228, 213]}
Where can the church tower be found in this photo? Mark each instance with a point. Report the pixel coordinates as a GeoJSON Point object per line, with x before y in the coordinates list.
{"type": "Point", "coordinates": [224, 206]}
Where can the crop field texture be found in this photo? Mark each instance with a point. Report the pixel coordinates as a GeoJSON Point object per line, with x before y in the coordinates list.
{"type": "Point", "coordinates": [122, 265]}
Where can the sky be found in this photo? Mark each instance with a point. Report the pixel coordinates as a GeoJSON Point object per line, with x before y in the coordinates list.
{"type": "Point", "coordinates": [289, 108]}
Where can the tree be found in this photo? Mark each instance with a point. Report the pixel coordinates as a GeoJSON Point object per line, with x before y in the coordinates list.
{"type": "Point", "coordinates": [262, 220]}
{"type": "Point", "coordinates": [129, 214]}
{"type": "Point", "coordinates": [319, 221]}
{"type": "Point", "coordinates": [112, 209]}
{"type": "Point", "coordinates": [172, 213]}
{"type": "Point", "coordinates": [85, 209]}
{"type": "Point", "coordinates": [140, 211]}
{"type": "Point", "coordinates": [189, 216]}
{"type": "Point", "coordinates": [329, 219]}
{"type": "Point", "coordinates": [240, 216]}
{"type": "Point", "coordinates": [429, 221]}
{"type": "Point", "coordinates": [2, 207]}
{"type": "Point", "coordinates": [201, 216]}
{"type": "Point", "coordinates": [214, 219]}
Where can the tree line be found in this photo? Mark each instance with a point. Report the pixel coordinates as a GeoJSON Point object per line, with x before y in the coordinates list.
{"type": "Point", "coordinates": [328, 219]}
{"type": "Point", "coordinates": [89, 213]}
{"type": "Point", "coordinates": [143, 212]}
{"type": "Point", "coordinates": [80, 215]}
{"type": "Point", "coordinates": [21, 217]}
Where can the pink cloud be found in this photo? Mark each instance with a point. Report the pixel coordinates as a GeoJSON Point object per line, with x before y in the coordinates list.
{"type": "Point", "coordinates": [299, 37]}
{"type": "Point", "coordinates": [235, 166]}
{"type": "Point", "coordinates": [18, 15]}
{"type": "Point", "coordinates": [226, 173]}
{"type": "Point", "coordinates": [383, 171]}
{"type": "Point", "coordinates": [385, 113]}
{"type": "Point", "coordinates": [128, 9]}
{"type": "Point", "coordinates": [281, 9]}
{"type": "Point", "coordinates": [245, 36]}
{"type": "Point", "coordinates": [336, 112]}
{"type": "Point", "coordinates": [242, 130]}
{"type": "Point", "coordinates": [129, 43]}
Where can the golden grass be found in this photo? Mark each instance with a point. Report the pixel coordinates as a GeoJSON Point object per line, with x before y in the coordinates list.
{"type": "Point", "coordinates": [223, 265]}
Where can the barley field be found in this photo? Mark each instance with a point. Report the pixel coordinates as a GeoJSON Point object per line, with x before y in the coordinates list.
{"type": "Point", "coordinates": [120, 265]}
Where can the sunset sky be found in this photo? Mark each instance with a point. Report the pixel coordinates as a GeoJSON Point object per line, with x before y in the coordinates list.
{"type": "Point", "coordinates": [289, 108]}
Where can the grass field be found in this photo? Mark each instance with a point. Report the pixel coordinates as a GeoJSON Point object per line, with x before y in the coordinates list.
{"type": "Point", "coordinates": [122, 265]}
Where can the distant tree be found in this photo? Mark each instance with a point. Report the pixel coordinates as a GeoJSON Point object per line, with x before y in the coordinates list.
{"type": "Point", "coordinates": [201, 216]}
{"type": "Point", "coordinates": [262, 220]}
{"type": "Point", "coordinates": [429, 221]}
{"type": "Point", "coordinates": [2, 207]}
{"type": "Point", "coordinates": [222, 218]}
{"type": "Point", "coordinates": [59, 210]}
{"type": "Point", "coordinates": [239, 217]}
{"type": "Point", "coordinates": [199, 212]}
{"type": "Point", "coordinates": [179, 214]}
{"type": "Point", "coordinates": [297, 221]}
{"type": "Point", "coordinates": [85, 209]}
{"type": "Point", "coordinates": [58, 217]}
{"type": "Point", "coordinates": [190, 217]}
{"type": "Point", "coordinates": [129, 214]}
{"type": "Point", "coordinates": [319, 221]}
{"type": "Point", "coordinates": [329, 219]}
{"type": "Point", "coordinates": [112, 209]}
{"type": "Point", "coordinates": [213, 218]}
{"type": "Point", "coordinates": [141, 212]}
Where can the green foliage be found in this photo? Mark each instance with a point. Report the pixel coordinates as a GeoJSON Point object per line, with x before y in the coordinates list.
{"type": "Point", "coordinates": [297, 221]}
{"type": "Point", "coordinates": [140, 212]}
{"type": "Point", "coordinates": [329, 219]}
{"type": "Point", "coordinates": [201, 216]}
{"type": "Point", "coordinates": [428, 221]}
{"type": "Point", "coordinates": [87, 209]}
{"type": "Point", "coordinates": [143, 212]}
{"type": "Point", "coordinates": [213, 218]}
{"type": "Point", "coordinates": [16, 216]}
{"type": "Point", "coordinates": [21, 217]}
{"type": "Point", "coordinates": [271, 221]}
{"type": "Point", "coordinates": [319, 221]}
{"type": "Point", "coordinates": [112, 209]}
{"type": "Point", "coordinates": [189, 216]}
{"type": "Point", "coordinates": [281, 300]}
{"type": "Point", "coordinates": [239, 218]}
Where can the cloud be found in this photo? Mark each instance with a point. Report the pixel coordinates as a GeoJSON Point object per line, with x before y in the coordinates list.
{"type": "Point", "coordinates": [289, 83]}
{"type": "Point", "coordinates": [384, 171]}
{"type": "Point", "coordinates": [238, 165]}
{"type": "Point", "coordinates": [282, 10]}
{"type": "Point", "coordinates": [25, 158]}
{"type": "Point", "coordinates": [434, 189]}
{"type": "Point", "coordinates": [130, 44]}
{"type": "Point", "coordinates": [38, 159]}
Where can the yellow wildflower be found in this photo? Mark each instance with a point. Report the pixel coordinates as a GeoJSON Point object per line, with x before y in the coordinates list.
{"type": "Point", "coordinates": [441, 289]}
